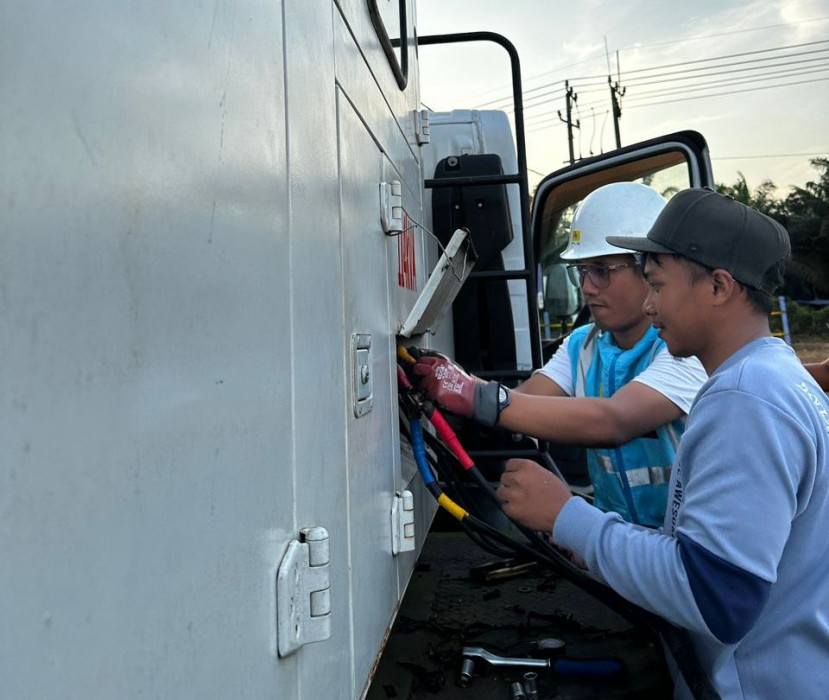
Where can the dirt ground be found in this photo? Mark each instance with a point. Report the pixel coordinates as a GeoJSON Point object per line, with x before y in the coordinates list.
{"type": "Point", "coordinates": [811, 349]}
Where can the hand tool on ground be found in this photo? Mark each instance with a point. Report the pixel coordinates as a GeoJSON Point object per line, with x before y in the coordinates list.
{"type": "Point", "coordinates": [603, 667]}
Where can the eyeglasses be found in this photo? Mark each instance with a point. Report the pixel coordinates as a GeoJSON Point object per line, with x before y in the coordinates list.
{"type": "Point", "coordinates": [599, 274]}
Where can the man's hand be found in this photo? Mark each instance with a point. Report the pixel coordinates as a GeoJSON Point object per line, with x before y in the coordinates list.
{"type": "Point", "coordinates": [446, 383]}
{"type": "Point", "coordinates": [451, 387]}
{"type": "Point", "coordinates": [532, 495]}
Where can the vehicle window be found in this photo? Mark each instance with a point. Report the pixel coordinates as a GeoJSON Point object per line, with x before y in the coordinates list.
{"type": "Point", "coordinates": [561, 300]}
{"type": "Point", "coordinates": [389, 20]}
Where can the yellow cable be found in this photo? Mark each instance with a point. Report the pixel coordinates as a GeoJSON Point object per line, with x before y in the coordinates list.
{"type": "Point", "coordinates": [454, 509]}
{"type": "Point", "coordinates": [403, 354]}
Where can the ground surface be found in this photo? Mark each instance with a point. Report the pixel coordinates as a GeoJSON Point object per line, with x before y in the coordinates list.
{"type": "Point", "coordinates": [445, 609]}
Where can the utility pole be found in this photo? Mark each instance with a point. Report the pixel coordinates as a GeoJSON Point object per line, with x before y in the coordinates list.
{"type": "Point", "coordinates": [616, 94]}
{"type": "Point", "coordinates": [571, 98]}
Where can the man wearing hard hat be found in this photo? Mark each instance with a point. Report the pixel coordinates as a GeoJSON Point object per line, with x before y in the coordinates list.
{"type": "Point", "coordinates": [632, 396]}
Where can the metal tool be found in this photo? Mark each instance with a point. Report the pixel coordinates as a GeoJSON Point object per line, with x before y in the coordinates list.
{"type": "Point", "coordinates": [467, 669]}
{"type": "Point", "coordinates": [530, 687]}
{"type": "Point", "coordinates": [479, 653]}
{"type": "Point", "coordinates": [607, 667]}
{"type": "Point", "coordinates": [518, 691]}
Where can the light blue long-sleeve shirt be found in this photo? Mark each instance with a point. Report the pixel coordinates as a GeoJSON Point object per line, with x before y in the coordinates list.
{"type": "Point", "coordinates": [742, 561]}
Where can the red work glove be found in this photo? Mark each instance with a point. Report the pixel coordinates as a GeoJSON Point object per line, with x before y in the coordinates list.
{"type": "Point", "coordinates": [451, 387]}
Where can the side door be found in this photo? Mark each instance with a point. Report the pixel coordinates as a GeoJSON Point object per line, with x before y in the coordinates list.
{"type": "Point", "coordinates": [668, 164]}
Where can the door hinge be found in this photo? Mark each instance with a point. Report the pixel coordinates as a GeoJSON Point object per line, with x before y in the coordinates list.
{"type": "Point", "coordinates": [402, 523]}
{"type": "Point", "coordinates": [422, 127]}
{"type": "Point", "coordinates": [391, 207]}
{"type": "Point", "coordinates": [303, 592]}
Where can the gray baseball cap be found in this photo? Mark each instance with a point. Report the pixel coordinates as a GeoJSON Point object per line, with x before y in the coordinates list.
{"type": "Point", "coordinates": [717, 231]}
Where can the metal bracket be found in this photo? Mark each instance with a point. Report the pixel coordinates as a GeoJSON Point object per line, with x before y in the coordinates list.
{"type": "Point", "coordinates": [303, 592]}
{"type": "Point", "coordinates": [391, 207]}
{"type": "Point", "coordinates": [361, 373]}
{"type": "Point", "coordinates": [402, 523]}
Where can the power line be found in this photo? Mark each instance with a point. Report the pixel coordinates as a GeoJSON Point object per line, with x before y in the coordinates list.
{"type": "Point", "coordinates": [727, 93]}
{"type": "Point", "coordinates": [733, 55]}
{"type": "Point", "coordinates": [736, 63]}
{"type": "Point", "coordinates": [674, 42]}
{"type": "Point", "coordinates": [771, 75]}
{"type": "Point", "coordinates": [654, 78]}
{"type": "Point", "coordinates": [714, 71]}
{"type": "Point", "coordinates": [739, 80]}
{"type": "Point", "coordinates": [719, 34]}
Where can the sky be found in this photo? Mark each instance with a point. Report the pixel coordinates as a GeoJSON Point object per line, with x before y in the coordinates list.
{"type": "Point", "coordinates": [763, 105]}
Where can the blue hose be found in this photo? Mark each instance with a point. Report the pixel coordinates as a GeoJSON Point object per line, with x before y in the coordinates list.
{"type": "Point", "coordinates": [419, 449]}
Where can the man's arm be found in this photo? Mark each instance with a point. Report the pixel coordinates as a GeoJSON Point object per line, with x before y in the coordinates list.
{"type": "Point", "coordinates": [740, 498]}
{"type": "Point", "coordinates": [542, 406]}
{"type": "Point", "coordinates": [555, 378]}
{"type": "Point", "coordinates": [632, 411]}
{"type": "Point", "coordinates": [820, 371]}
{"type": "Point", "coordinates": [539, 385]}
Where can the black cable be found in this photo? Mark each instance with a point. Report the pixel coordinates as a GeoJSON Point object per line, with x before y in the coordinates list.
{"type": "Point", "coordinates": [738, 80]}
{"type": "Point", "coordinates": [725, 94]}
{"type": "Point", "coordinates": [602, 78]}
{"type": "Point", "coordinates": [538, 549]}
{"type": "Point", "coordinates": [485, 543]}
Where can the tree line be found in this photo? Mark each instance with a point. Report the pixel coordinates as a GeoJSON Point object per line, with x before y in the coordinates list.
{"type": "Point", "coordinates": [805, 214]}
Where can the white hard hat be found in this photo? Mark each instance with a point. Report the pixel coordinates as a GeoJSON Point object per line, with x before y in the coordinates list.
{"type": "Point", "coordinates": [618, 209]}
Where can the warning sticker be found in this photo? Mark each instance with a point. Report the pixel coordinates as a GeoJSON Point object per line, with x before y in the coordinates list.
{"type": "Point", "coordinates": [406, 261]}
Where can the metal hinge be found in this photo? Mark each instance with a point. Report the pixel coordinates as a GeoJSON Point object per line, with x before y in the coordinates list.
{"type": "Point", "coordinates": [402, 523]}
{"type": "Point", "coordinates": [391, 207]}
{"type": "Point", "coordinates": [303, 592]}
{"type": "Point", "coordinates": [422, 127]}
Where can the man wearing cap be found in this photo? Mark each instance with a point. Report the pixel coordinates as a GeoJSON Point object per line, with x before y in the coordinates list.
{"type": "Point", "coordinates": [632, 396]}
{"type": "Point", "coordinates": [742, 561]}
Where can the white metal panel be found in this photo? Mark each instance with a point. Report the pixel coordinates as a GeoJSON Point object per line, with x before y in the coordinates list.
{"type": "Point", "coordinates": [387, 111]}
{"type": "Point", "coordinates": [143, 493]}
{"type": "Point", "coordinates": [401, 102]}
{"type": "Point", "coordinates": [371, 454]}
{"type": "Point", "coordinates": [319, 368]}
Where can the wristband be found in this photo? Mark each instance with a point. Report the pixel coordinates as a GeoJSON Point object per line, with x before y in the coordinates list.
{"type": "Point", "coordinates": [488, 403]}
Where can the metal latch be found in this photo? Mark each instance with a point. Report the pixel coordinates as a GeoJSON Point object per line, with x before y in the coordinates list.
{"type": "Point", "coordinates": [391, 207]}
{"type": "Point", "coordinates": [303, 592]}
{"type": "Point", "coordinates": [422, 127]}
{"type": "Point", "coordinates": [361, 372]}
{"type": "Point", "coordinates": [402, 523]}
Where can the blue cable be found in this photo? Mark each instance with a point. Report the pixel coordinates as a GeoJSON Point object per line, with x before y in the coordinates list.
{"type": "Point", "coordinates": [419, 449]}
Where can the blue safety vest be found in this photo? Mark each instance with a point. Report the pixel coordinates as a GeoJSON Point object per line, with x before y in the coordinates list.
{"type": "Point", "coordinates": [631, 479]}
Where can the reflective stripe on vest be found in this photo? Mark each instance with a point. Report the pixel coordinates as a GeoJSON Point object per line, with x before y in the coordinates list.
{"type": "Point", "coordinates": [641, 476]}
{"type": "Point", "coordinates": [637, 472]}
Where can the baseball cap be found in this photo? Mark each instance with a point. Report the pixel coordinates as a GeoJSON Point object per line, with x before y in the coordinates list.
{"type": "Point", "coordinates": [717, 231]}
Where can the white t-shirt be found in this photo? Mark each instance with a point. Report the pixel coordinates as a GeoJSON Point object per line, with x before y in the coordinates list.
{"type": "Point", "coordinates": [678, 379]}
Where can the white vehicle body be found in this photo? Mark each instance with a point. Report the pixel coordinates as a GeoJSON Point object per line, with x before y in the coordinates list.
{"type": "Point", "coordinates": [198, 310]}
{"type": "Point", "coordinates": [191, 238]}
